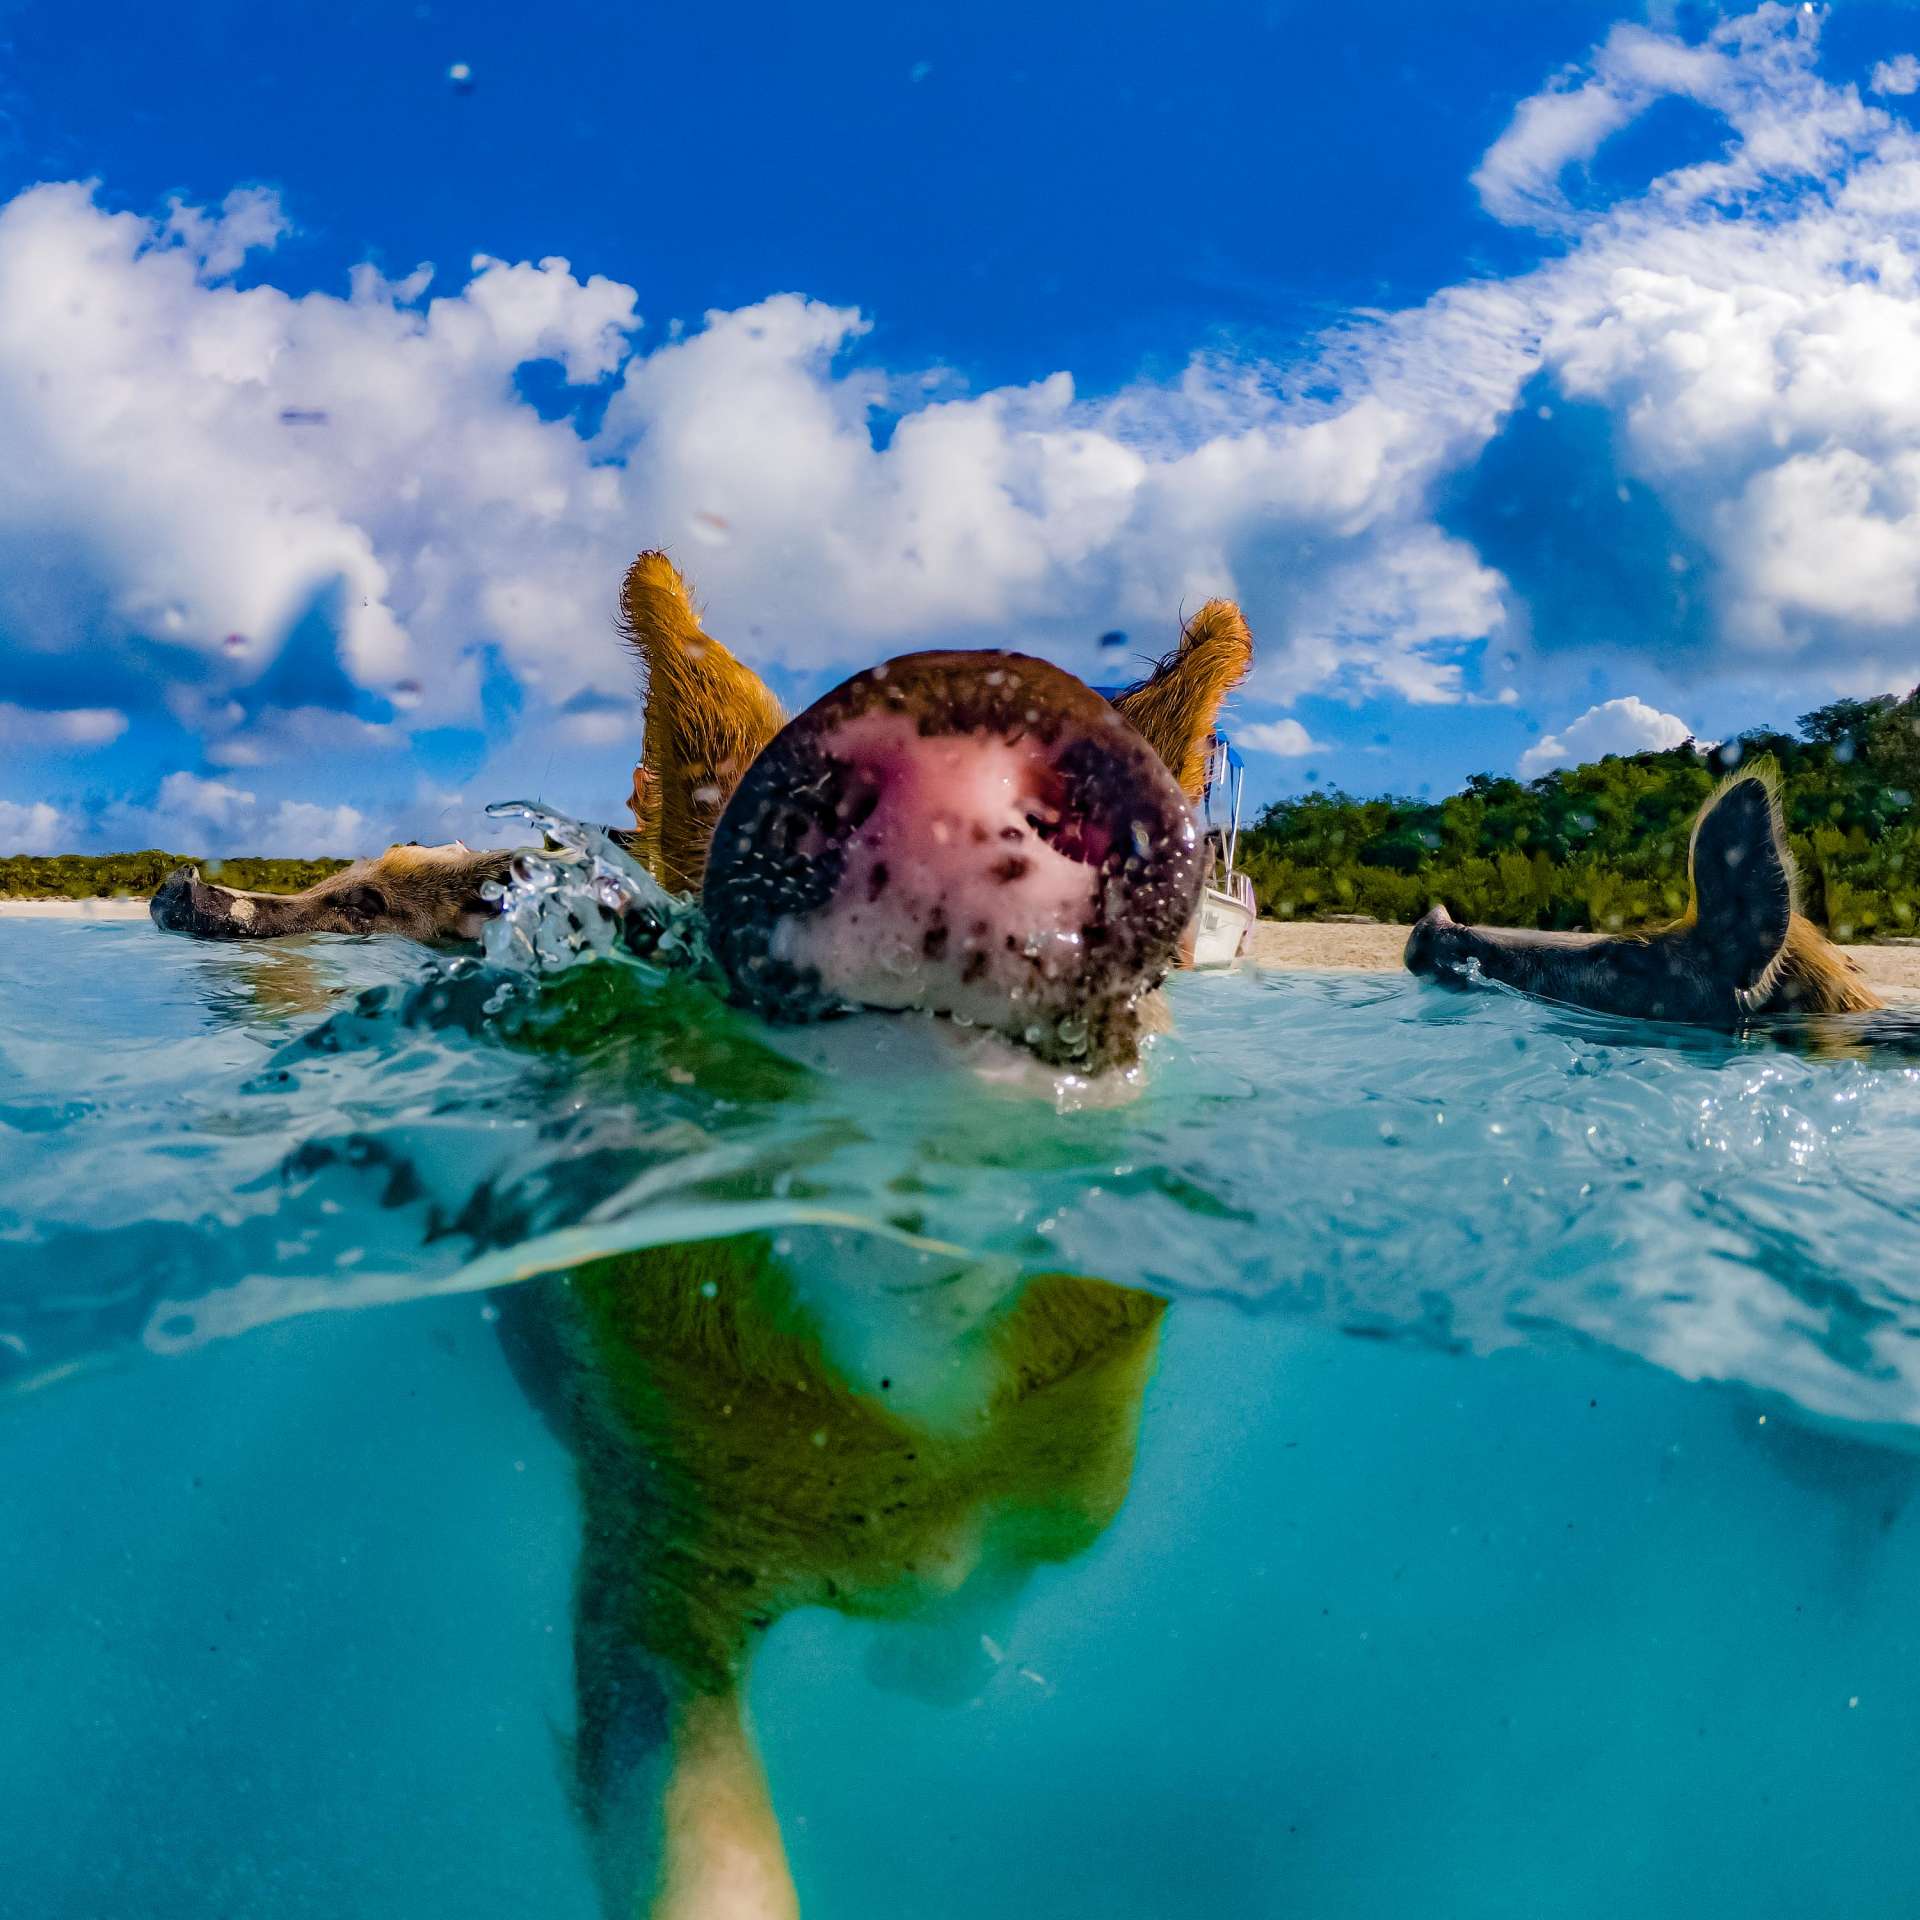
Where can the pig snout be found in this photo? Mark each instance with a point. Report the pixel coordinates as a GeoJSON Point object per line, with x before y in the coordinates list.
{"type": "Point", "coordinates": [971, 834]}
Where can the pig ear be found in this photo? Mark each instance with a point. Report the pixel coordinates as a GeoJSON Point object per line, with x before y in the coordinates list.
{"type": "Point", "coordinates": [1743, 878]}
{"type": "Point", "coordinates": [708, 717]}
{"type": "Point", "coordinates": [1176, 705]}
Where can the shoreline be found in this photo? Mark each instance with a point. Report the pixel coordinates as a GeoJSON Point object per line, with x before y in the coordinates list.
{"type": "Point", "coordinates": [1304, 946]}
{"type": "Point", "coordinates": [1332, 946]}
{"type": "Point", "coordinates": [117, 908]}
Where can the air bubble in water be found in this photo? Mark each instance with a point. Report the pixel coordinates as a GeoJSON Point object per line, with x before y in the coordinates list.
{"type": "Point", "coordinates": [583, 897]}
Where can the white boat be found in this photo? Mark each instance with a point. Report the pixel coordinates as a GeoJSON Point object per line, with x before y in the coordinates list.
{"type": "Point", "coordinates": [1219, 932]}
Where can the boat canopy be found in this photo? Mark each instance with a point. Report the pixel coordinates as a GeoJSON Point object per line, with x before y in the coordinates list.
{"type": "Point", "coordinates": [1220, 797]}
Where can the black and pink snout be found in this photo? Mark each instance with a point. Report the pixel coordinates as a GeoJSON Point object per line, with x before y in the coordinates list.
{"type": "Point", "coordinates": [972, 834]}
{"type": "Point", "coordinates": [185, 903]}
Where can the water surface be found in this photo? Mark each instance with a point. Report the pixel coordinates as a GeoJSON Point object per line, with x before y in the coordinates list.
{"type": "Point", "coordinates": [1522, 1519]}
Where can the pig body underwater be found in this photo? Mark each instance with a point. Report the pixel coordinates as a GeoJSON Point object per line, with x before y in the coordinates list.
{"type": "Point", "coordinates": [977, 836]}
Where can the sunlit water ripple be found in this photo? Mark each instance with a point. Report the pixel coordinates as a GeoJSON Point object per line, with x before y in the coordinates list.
{"type": "Point", "coordinates": [195, 1140]}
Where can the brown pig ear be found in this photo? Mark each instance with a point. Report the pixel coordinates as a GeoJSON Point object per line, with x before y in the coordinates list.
{"type": "Point", "coordinates": [364, 906]}
{"type": "Point", "coordinates": [708, 717]}
{"type": "Point", "coordinates": [1176, 705]}
{"type": "Point", "coordinates": [1742, 879]}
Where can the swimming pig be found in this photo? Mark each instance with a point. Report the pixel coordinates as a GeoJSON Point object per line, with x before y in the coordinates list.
{"type": "Point", "coordinates": [970, 834]}
{"type": "Point", "coordinates": [731, 1470]}
{"type": "Point", "coordinates": [1741, 951]}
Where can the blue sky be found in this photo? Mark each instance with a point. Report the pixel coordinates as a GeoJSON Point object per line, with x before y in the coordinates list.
{"type": "Point", "coordinates": [1538, 377]}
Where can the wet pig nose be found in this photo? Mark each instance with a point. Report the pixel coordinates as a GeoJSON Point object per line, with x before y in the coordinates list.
{"type": "Point", "coordinates": [1431, 946]}
{"type": "Point", "coordinates": [974, 834]}
{"type": "Point", "coordinates": [171, 906]}
{"type": "Point", "coordinates": [176, 903]}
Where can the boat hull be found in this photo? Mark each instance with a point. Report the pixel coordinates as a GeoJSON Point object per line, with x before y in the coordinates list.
{"type": "Point", "coordinates": [1219, 931]}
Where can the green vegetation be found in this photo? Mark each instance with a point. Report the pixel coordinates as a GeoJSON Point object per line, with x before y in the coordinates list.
{"type": "Point", "coordinates": [1605, 846]}
{"type": "Point", "coordinates": [79, 876]}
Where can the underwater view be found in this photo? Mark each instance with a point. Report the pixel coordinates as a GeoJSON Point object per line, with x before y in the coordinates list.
{"type": "Point", "coordinates": [1472, 1472]}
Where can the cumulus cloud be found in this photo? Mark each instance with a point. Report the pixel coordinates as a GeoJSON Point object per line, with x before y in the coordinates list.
{"type": "Point", "coordinates": [59, 726]}
{"type": "Point", "coordinates": [34, 828]}
{"type": "Point", "coordinates": [1622, 726]}
{"type": "Point", "coordinates": [302, 525]}
{"type": "Point", "coordinates": [304, 528]}
{"type": "Point", "coordinates": [601, 720]}
{"type": "Point", "coordinates": [200, 468]}
{"type": "Point", "coordinates": [193, 814]}
{"type": "Point", "coordinates": [1747, 329]}
{"type": "Point", "coordinates": [1899, 75]}
{"type": "Point", "coordinates": [1287, 739]}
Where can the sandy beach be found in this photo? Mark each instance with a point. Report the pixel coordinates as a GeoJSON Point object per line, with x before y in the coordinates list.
{"type": "Point", "coordinates": [72, 909]}
{"type": "Point", "coordinates": [1313, 945]}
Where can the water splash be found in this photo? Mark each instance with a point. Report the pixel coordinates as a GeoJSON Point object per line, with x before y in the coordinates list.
{"type": "Point", "coordinates": [581, 896]}
{"type": "Point", "coordinates": [212, 1138]}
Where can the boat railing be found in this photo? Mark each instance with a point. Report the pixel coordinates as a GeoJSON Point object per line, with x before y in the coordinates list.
{"type": "Point", "coordinates": [1235, 885]}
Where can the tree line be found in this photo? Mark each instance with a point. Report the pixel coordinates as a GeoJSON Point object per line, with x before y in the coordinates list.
{"type": "Point", "coordinates": [1600, 846]}
{"type": "Point", "coordinates": [81, 876]}
{"type": "Point", "coordinates": [1604, 846]}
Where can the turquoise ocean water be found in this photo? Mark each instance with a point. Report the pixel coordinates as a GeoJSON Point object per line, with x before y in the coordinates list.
{"type": "Point", "coordinates": [1523, 1519]}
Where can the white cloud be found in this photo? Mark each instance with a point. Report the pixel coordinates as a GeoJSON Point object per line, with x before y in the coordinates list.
{"type": "Point", "coordinates": [208, 802]}
{"type": "Point", "coordinates": [219, 243]}
{"type": "Point", "coordinates": [207, 458]}
{"type": "Point", "coordinates": [1519, 179]}
{"type": "Point", "coordinates": [1899, 75]}
{"type": "Point", "coordinates": [195, 815]}
{"type": "Point", "coordinates": [1287, 739]}
{"type": "Point", "coordinates": [601, 720]}
{"type": "Point", "coordinates": [60, 727]}
{"type": "Point", "coordinates": [300, 826]}
{"type": "Point", "coordinates": [1622, 726]}
{"type": "Point", "coordinates": [34, 828]}
{"type": "Point", "coordinates": [193, 462]}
